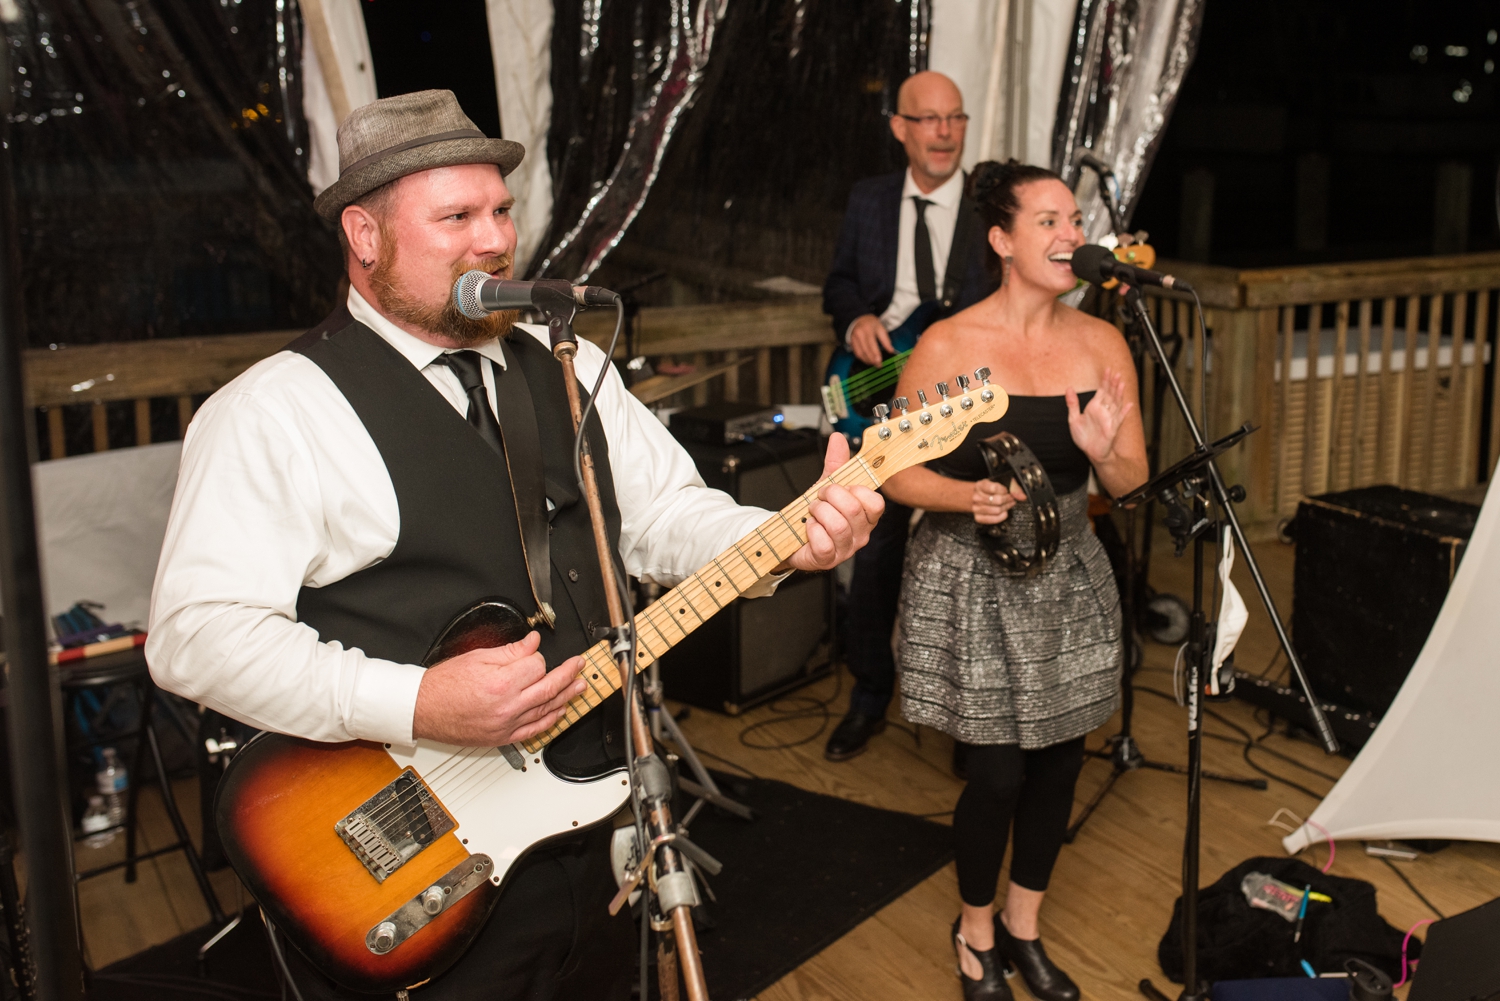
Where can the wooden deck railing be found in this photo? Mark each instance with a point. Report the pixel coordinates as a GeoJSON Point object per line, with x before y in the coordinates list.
{"type": "Point", "coordinates": [1364, 373]}
{"type": "Point", "coordinates": [1356, 374]}
{"type": "Point", "coordinates": [784, 346]}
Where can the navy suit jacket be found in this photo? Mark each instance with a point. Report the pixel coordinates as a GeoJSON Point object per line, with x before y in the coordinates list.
{"type": "Point", "coordinates": [863, 277]}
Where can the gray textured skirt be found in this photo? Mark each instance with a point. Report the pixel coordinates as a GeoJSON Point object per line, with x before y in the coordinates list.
{"type": "Point", "coordinates": [991, 657]}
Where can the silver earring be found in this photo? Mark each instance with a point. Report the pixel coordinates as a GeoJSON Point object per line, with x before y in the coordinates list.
{"type": "Point", "coordinates": [365, 264]}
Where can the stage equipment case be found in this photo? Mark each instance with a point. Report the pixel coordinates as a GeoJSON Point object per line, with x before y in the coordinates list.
{"type": "Point", "coordinates": [757, 649]}
{"type": "Point", "coordinates": [1373, 568]}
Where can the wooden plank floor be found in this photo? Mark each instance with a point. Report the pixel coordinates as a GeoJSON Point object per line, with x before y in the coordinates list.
{"type": "Point", "coordinates": [1112, 892]}
{"type": "Point", "coordinates": [1113, 889]}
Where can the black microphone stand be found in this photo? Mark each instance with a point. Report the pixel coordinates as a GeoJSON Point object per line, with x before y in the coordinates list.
{"type": "Point", "coordinates": [665, 848]}
{"type": "Point", "coordinates": [1201, 483]}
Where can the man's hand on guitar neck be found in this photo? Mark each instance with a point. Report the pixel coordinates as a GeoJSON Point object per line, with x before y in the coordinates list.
{"type": "Point", "coordinates": [840, 519]}
{"type": "Point", "coordinates": [867, 336]}
{"type": "Point", "coordinates": [494, 696]}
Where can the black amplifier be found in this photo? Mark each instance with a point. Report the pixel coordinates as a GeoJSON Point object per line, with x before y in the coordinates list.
{"type": "Point", "coordinates": [757, 648]}
{"type": "Point", "coordinates": [1373, 568]}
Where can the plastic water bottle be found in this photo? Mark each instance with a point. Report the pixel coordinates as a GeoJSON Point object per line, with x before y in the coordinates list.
{"type": "Point", "coordinates": [97, 826]}
{"type": "Point", "coordinates": [113, 780]}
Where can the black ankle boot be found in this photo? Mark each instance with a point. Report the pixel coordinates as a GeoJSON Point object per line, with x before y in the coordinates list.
{"type": "Point", "coordinates": [991, 986]}
{"type": "Point", "coordinates": [1044, 980]}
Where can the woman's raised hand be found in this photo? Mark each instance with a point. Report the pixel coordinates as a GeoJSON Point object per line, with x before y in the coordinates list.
{"type": "Point", "coordinates": [991, 502]}
{"type": "Point", "coordinates": [1095, 428]}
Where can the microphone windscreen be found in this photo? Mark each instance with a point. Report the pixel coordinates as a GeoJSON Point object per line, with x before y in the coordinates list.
{"type": "Point", "coordinates": [1087, 260]}
{"type": "Point", "coordinates": [466, 294]}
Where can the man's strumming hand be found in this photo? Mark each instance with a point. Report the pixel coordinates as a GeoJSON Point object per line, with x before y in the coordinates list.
{"type": "Point", "coordinates": [494, 696]}
{"type": "Point", "coordinates": [867, 336]}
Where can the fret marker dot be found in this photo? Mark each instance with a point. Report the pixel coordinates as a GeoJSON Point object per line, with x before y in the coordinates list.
{"type": "Point", "coordinates": [717, 583]}
{"type": "Point", "coordinates": [757, 552]}
{"type": "Point", "coordinates": [596, 677]}
{"type": "Point", "coordinates": [682, 611]}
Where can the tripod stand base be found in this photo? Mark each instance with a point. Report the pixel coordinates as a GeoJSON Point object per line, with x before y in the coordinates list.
{"type": "Point", "coordinates": [1125, 754]}
{"type": "Point", "coordinates": [1149, 989]}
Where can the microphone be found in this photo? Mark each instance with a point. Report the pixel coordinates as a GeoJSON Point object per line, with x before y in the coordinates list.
{"type": "Point", "coordinates": [1086, 158]}
{"type": "Point", "coordinates": [1097, 264]}
{"type": "Point", "coordinates": [477, 294]}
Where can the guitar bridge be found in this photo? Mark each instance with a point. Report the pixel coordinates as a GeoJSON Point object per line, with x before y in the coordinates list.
{"type": "Point", "coordinates": [391, 827]}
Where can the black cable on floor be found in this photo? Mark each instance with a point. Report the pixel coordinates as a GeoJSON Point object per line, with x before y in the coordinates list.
{"type": "Point", "coordinates": [811, 708]}
{"type": "Point", "coordinates": [1412, 887]}
{"type": "Point", "coordinates": [1247, 745]}
{"type": "Point", "coordinates": [719, 757]}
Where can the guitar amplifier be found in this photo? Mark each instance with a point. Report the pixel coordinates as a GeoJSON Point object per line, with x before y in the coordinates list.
{"type": "Point", "coordinates": [1373, 568]}
{"type": "Point", "coordinates": [757, 649]}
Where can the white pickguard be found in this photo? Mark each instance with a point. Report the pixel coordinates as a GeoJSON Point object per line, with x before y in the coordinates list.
{"type": "Point", "coordinates": [502, 812]}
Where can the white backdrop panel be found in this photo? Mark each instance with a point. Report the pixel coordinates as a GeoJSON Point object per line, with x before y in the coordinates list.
{"type": "Point", "coordinates": [101, 519]}
{"type": "Point", "coordinates": [1426, 772]}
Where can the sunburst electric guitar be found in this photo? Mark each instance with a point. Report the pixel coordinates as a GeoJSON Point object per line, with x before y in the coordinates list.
{"type": "Point", "coordinates": [381, 863]}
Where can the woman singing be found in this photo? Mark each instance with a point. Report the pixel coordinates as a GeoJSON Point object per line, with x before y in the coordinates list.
{"type": "Point", "coordinates": [1021, 667]}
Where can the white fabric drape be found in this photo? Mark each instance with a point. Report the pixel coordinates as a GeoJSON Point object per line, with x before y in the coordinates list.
{"type": "Point", "coordinates": [1426, 772]}
{"type": "Point", "coordinates": [338, 75]}
{"type": "Point", "coordinates": [520, 44]}
{"type": "Point", "coordinates": [1007, 58]}
{"type": "Point", "coordinates": [101, 519]}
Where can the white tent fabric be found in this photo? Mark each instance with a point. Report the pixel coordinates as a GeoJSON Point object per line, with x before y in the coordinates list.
{"type": "Point", "coordinates": [988, 47]}
{"type": "Point", "coordinates": [1426, 772]}
{"type": "Point", "coordinates": [521, 46]}
{"type": "Point", "coordinates": [338, 75]}
{"type": "Point", "coordinates": [101, 519]}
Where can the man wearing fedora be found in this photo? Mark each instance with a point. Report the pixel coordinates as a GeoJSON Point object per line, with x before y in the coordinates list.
{"type": "Point", "coordinates": [339, 501]}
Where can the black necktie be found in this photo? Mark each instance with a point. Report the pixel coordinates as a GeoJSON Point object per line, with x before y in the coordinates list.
{"type": "Point", "coordinates": [465, 365]}
{"type": "Point", "coordinates": [922, 246]}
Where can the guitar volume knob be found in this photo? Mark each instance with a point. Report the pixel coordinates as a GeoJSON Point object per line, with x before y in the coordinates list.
{"type": "Point", "coordinates": [432, 899]}
{"type": "Point", "coordinates": [385, 937]}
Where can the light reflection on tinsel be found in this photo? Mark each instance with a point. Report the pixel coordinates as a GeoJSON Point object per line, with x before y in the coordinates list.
{"type": "Point", "coordinates": [677, 63]}
{"type": "Point", "coordinates": [1125, 68]}
{"type": "Point", "coordinates": [588, 32]}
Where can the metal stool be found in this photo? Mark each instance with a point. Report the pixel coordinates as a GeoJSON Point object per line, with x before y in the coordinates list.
{"type": "Point", "coordinates": [129, 668]}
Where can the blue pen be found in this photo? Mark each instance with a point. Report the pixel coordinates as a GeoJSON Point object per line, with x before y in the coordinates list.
{"type": "Point", "coordinates": [1302, 913]}
{"type": "Point", "coordinates": [1307, 969]}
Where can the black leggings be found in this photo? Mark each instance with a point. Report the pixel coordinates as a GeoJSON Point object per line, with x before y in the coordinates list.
{"type": "Point", "coordinates": [1033, 788]}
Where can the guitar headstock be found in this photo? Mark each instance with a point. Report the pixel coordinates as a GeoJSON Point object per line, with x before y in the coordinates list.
{"type": "Point", "coordinates": [910, 437]}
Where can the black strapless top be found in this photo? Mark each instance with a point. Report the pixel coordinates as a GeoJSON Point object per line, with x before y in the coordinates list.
{"type": "Point", "coordinates": [1041, 422]}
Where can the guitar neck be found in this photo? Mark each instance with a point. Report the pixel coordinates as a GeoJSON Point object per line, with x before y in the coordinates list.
{"type": "Point", "coordinates": [668, 620]}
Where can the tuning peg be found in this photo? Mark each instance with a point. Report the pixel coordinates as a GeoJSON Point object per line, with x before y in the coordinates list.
{"type": "Point", "coordinates": [942, 389]}
{"type": "Point", "coordinates": [881, 412]}
{"type": "Point", "coordinates": [901, 403]}
{"type": "Point", "coordinates": [983, 375]}
{"type": "Point", "coordinates": [963, 382]}
{"type": "Point", "coordinates": [922, 397]}
{"type": "Point", "coordinates": [926, 417]}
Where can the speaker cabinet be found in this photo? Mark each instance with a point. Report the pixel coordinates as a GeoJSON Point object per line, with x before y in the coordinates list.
{"type": "Point", "coordinates": [1373, 568]}
{"type": "Point", "coordinates": [756, 649]}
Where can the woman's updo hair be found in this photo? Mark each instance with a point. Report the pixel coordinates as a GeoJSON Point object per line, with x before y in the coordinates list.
{"type": "Point", "coordinates": [993, 186]}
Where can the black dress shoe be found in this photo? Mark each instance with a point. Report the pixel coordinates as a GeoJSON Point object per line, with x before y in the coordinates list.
{"type": "Point", "coordinates": [852, 735]}
{"type": "Point", "coordinates": [1045, 981]}
{"type": "Point", "coordinates": [991, 985]}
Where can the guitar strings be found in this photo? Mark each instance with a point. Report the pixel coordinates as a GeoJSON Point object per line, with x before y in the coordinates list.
{"type": "Point", "coordinates": [462, 770]}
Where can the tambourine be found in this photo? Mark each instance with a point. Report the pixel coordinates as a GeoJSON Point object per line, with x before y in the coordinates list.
{"type": "Point", "coordinates": [1005, 453]}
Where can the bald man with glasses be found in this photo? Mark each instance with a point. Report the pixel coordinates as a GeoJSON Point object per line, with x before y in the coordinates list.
{"type": "Point", "coordinates": [907, 238]}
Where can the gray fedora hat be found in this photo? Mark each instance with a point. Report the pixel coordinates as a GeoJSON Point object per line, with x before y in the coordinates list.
{"type": "Point", "coordinates": [396, 136]}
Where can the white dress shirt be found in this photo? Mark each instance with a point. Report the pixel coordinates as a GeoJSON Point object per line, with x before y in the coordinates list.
{"type": "Point", "coordinates": [282, 487]}
{"type": "Point", "coordinates": [941, 217]}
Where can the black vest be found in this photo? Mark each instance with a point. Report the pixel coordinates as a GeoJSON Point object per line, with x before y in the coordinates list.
{"type": "Point", "coordinates": [458, 540]}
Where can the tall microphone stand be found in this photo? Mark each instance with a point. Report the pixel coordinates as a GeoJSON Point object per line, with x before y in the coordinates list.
{"type": "Point", "coordinates": [1201, 480]}
{"type": "Point", "coordinates": [671, 881]}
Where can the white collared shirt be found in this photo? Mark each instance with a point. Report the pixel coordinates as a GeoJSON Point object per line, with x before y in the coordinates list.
{"type": "Point", "coordinates": [282, 487]}
{"type": "Point", "coordinates": [941, 217]}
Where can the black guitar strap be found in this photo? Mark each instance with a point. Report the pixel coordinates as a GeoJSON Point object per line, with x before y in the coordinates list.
{"type": "Point", "coordinates": [965, 232]}
{"type": "Point", "coordinates": [523, 460]}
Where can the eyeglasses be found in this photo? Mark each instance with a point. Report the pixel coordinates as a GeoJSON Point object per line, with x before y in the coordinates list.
{"type": "Point", "coordinates": [930, 122]}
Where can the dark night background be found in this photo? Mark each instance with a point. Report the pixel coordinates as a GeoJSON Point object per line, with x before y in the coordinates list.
{"type": "Point", "coordinates": [161, 158]}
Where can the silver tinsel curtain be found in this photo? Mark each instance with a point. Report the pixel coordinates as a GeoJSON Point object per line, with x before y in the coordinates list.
{"type": "Point", "coordinates": [1125, 66]}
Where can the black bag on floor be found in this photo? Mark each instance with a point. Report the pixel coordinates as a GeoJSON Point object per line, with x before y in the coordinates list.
{"type": "Point", "coordinates": [1239, 942]}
